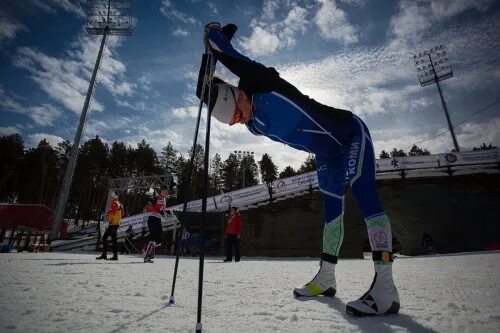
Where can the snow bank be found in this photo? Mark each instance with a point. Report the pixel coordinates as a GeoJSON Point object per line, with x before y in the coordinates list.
{"type": "Point", "coordinates": [63, 292]}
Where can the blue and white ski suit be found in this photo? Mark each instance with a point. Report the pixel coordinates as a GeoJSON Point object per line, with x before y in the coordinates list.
{"type": "Point", "coordinates": [340, 141]}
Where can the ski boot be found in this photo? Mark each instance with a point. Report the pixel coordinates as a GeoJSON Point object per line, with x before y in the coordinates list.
{"type": "Point", "coordinates": [322, 284]}
{"type": "Point", "coordinates": [102, 257]}
{"type": "Point", "coordinates": [382, 298]}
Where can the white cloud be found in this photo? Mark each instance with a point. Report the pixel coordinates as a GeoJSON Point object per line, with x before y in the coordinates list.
{"type": "Point", "coordinates": [34, 139]}
{"type": "Point", "coordinates": [445, 9]}
{"type": "Point", "coordinates": [415, 18]}
{"type": "Point", "coordinates": [358, 3]}
{"type": "Point", "coordinates": [276, 28]}
{"type": "Point", "coordinates": [282, 21]}
{"type": "Point", "coordinates": [9, 130]}
{"type": "Point", "coordinates": [144, 82]}
{"type": "Point", "coordinates": [9, 28]}
{"type": "Point", "coordinates": [179, 32]}
{"type": "Point", "coordinates": [66, 79]}
{"type": "Point", "coordinates": [109, 125]}
{"type": "Point", "coordinates": [168, 9]}
{"type": "Point", "coordinates": [474, 134]}
{"type": "Point", "coordinates": [185, 112]}
{"type": "Point", "coordinates": [43, 115]}
{"type": "Point", "coordinates": [213, 8]}
{"type": "Point", "coordinates": [260, 42]}
{"type": "Point", "coordinates": [51, 6]}
{"type": "Point", "coordinates": [333, 24]}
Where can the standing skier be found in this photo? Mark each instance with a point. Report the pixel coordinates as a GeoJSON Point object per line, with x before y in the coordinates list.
{"type": "Point", "coordinates": [154, 224]}
{"type": "Point", "coordinates": [268, 105]}
{"type": "Point", "coordinates": [115, 215]}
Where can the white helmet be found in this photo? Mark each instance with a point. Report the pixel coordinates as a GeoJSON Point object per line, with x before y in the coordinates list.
{"type": "Point", "coordinates": [223, 101]}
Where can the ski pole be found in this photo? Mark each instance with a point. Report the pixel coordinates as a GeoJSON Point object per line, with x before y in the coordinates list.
{"type": "Point", "coordinates": [211, 61]}
{"type": "Point", "coordinates": [207, 77]}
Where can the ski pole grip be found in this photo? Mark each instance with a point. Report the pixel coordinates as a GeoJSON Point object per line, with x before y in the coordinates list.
{"type": "Point", "coordinates": [201, 76]}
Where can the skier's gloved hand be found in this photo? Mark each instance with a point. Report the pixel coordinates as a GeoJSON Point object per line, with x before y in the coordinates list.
{"type": "Point", "coordinates": [229, 30]}
{"type": "Point", "coordinates": [208, 28]}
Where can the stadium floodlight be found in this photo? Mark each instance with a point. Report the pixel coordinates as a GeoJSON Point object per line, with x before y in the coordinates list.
{"type": "Point", "coordinates": [241, 155]}
{"type": "Point", "coordinates": [433, 66]}
{"type": "Point", "coordinates": [104, 17]}
{"type": "Point", "coordinates": [113, 17]}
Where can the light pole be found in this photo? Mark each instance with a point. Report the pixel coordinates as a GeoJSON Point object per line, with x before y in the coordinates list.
{"type": "Point", "coordinates": [242, 155]}
{"type": "Point", "coordinates": [104, 17]}
{"type": "Point", "coordinates": [433, 66]}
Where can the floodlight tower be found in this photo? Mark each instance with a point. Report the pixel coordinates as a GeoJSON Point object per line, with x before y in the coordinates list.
{"type": "Point", "coordinates": [433, 66]}
{"type": "Point", "coordinates": [104, 17]}
{"type": "Point", "coordinates": [242, 155]}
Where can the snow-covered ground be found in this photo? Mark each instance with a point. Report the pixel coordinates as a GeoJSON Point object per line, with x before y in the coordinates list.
{"type": "Point", "coordinates": [71, 292]}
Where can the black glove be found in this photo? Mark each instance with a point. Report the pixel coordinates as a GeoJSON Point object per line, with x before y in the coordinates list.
{"type": "Point", "coordinates": [228, 30]}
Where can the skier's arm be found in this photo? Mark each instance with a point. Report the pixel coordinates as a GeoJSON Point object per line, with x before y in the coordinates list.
{"type": "Point", "coordinates": [254, 76]}
{"type": "Point", "coordinates": [113, 209]}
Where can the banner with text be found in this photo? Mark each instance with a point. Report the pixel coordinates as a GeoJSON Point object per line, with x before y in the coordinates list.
{"type": "Point", "coordinates": [295, 184]}
{"type": "Point", "coordinates": [242, 197]}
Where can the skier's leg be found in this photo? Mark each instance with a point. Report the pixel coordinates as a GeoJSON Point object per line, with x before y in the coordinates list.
{"type": "Point", "coordinates": [361, 170]}
{"type": "Point", "coordinates": [157, 233]}
{"type": "Point", "coordinates": [236, 249]}
{"type": "Point", "coordinates": [229, 248]}
{"type": "Point", "coordinates": [147, 252]}
{"type": "Point", "coordinates": [331, 178]}
{"type": "Point", "coordinates": [382, 297]}
{"type": "Point", "coordinates": [114, 238]}
{"type": "Point", "coordinates": [105, 243]}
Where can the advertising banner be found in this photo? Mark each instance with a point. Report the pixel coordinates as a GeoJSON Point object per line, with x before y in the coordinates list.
{"type": "Point", "coordinates": [470, 157]}
{"type": "Point", "coordinates": [245, 196]}
{"type": "Point", "coordinates": [295, 184]}
{"type": "Point", "coordinates": [407, 162]}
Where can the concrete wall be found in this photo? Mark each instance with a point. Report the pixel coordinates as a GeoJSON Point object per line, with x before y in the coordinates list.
{"type": "Point", "coordinates": [461, 213]}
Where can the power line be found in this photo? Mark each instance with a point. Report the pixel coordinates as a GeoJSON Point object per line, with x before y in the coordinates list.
{"type": "Point", "coordinates": [460, 123]}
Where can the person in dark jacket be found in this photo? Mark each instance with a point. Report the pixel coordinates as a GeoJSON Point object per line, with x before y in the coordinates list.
{"type": "Point", "coordinates": [154, 224]}
{"type": "Point", "coordinates": [270, 106]}
{"type": "Point", "coordinates": [233, 235]}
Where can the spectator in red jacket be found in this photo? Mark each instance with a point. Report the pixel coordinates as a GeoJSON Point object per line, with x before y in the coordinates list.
{"type": "Point", "coordinates": [233, 234]}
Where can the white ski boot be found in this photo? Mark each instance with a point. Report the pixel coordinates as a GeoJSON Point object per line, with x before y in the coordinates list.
{"type": "Point", "coordinates": [322, 284]}
{"type": "Point", "coordinates": [382, 297]}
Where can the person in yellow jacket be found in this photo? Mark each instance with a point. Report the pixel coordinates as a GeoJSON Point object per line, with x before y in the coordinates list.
{"type": "Point", "coordinates": [115, 215]}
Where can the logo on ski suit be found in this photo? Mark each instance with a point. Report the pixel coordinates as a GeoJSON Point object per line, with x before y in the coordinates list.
{"type": "Point", "coordinates": [353, 156]}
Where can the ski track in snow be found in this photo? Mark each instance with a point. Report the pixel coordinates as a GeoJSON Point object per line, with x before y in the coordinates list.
{"type": "Point", "coordinates": [73, 292]}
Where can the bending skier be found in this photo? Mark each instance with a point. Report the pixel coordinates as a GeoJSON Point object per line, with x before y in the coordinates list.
{"type": "Point", "coordinates": [154, 224]}
{"type": "Point", "coordinates": [268, 105]}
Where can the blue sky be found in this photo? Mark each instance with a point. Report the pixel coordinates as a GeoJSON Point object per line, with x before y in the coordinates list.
{"type": "Point", "coordinates": [352, 54]}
